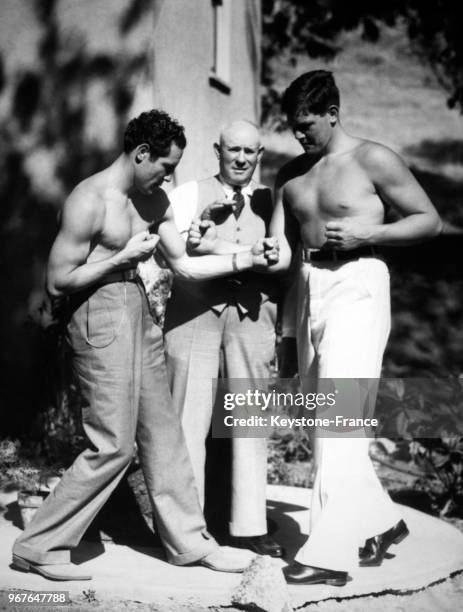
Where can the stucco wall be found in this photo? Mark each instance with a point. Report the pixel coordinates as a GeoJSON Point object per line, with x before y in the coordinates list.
{"type": "Point", "coordinates": [175, 42]}
{"type": "Point", "coordinates": [183, 56]}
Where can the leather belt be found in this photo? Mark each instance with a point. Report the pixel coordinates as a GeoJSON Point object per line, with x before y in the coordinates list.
{"type": "Point", "coordinates": [314, 255]}
{"type": "Point", "coordinates": [120, 276]}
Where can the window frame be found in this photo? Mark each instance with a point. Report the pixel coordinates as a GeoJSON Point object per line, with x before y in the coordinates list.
{"type": "Point", "coordinates": [220, 75]}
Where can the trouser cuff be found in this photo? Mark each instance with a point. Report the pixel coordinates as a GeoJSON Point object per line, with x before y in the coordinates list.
{"type": "Point", "coordinates": [196, 554]}
{"type": "Point", "coordinates": [247, 531]}
{"type": "Point", "coordinates": [49, 557]}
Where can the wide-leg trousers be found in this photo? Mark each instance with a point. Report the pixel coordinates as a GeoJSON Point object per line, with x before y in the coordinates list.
{"type": "Point", "coordinates": [343, 326]}
{"type": "Point", "coordinates": [194, 338]}
{"type": "Point", "coordinates": [119, 363]}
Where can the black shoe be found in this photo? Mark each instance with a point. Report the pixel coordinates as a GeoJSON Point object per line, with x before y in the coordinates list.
{"type": "Point", "coordinates": [296, 573]}
{"type": "Point", "coordinates": [262, 545]}
{"type": "Point", "coordinates": [375, 549]}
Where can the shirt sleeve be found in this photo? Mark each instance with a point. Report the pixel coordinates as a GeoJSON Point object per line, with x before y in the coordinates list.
{"type": "Point", "coordinates": [184, 203]}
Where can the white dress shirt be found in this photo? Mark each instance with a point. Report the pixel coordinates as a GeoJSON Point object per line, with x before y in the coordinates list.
{"type": "Point", "coordinates": [184, 202]}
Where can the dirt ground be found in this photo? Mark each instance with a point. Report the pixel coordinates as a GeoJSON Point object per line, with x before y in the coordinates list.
{"type": "Point", "coordinates": [444, 597]}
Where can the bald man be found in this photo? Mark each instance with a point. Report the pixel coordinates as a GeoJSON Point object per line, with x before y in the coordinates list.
{"type": "Point", "coordinates": [234, 316]}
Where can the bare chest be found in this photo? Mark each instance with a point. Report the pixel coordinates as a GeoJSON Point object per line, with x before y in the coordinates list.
{"type": "Point", "coordinates": [333, 189]}
{"type": "Point", "coordinates": [121, 221]}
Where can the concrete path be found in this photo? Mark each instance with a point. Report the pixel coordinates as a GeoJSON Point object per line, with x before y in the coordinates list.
{"type": "Point", "coordinates": [432, 552]}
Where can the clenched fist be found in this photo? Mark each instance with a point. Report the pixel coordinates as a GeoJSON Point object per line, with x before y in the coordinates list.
{"type": "Point", "coordinates": [139, 248]}
{"type": "Point", "coordinates": [265, 252]}
{"type": "Point", "coordinates": [202, 236]}
{"type": "Point", "coordinates": [347, 234]}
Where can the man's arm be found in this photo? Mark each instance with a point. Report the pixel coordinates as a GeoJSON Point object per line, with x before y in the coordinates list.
{"type": "Point", "coordinates": [396, 186]}
{"type": "Point", "coordinates": [284, 227]}
{"type": "Point", "coordinates": [199, 233]}
{"type": "Point", "coordinates": [209, 266]}
{"type": "Point", "coordinates": [81, 223]}
{"type": "Point", "coordinates": [202, 239]}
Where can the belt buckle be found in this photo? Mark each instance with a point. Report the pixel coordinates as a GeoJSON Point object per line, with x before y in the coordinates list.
{"type": "Point", "coordinates": [325, 255]}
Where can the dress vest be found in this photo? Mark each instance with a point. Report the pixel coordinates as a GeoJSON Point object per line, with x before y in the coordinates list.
{"type": "Point", "coordinates": [246, 290]}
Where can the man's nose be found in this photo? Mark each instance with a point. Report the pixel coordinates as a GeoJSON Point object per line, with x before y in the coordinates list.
{"type": "Point", "coordinates": [241, 157]}
{"type": "Point", "coordinates": [299, 135]}
{"type": "Point", "coordinates": [168, 178]}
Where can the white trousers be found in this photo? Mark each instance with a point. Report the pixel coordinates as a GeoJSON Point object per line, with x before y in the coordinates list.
{"type": "Point", "coordinates": [343, 326]}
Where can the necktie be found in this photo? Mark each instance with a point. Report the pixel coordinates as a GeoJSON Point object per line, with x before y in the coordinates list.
{"type": "Point", "coordinates": [238, 198]}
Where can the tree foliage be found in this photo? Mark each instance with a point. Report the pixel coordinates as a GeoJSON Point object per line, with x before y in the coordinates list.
{"type": "Point", "coordinates": [294, 27]}
{"type": "Point", "coordinates": [44, 151]}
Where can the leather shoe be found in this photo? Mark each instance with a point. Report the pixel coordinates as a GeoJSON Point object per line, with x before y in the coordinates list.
{"type": "Point", "coordinates": [375, 549]}
{"type": "Point", "coordinates": [227, 559]}
{"type": "Point", "coordinates": [296, 573]}
{"type": "Point", "coordinates": [261, 545]}
{"type": "Point", "coordinates": [60, 572]}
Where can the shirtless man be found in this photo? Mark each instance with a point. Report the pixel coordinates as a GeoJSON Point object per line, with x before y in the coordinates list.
{"type": "Point", "coordinates": [332, 199]}
{"type": "Point", "coordinates": [118, 356]}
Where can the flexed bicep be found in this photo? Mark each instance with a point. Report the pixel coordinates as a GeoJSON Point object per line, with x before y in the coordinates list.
{"type": "Point", "coordinates": [171, 242]}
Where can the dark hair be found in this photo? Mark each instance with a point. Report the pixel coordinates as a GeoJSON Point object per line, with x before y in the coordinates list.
{"type": "Point", "coordinates": [157, 130]}
{"type": "Point", "coordinates": [312, 92]}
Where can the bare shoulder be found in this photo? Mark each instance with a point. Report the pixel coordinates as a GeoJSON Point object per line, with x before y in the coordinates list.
{"type": "Point", "coordinates": [85, 205]}
{"type": "Point", "coordinates": [378, 159]}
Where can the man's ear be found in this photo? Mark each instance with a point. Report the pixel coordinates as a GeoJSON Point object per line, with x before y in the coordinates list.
{"type": "Point", "coordinates": [217, 149]}
{"type": "Point", "coordinates": [142, 152]}
{"type": "Point", "coordinates": [260, 153]}
{"type": "Point", "coordinates": [333, 113]}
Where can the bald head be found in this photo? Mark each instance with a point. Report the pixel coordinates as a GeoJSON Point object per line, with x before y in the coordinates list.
{"type": "Point", "coordinates": [238, 152]}
{"type": "Point", "coordinates": [241, 129]}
